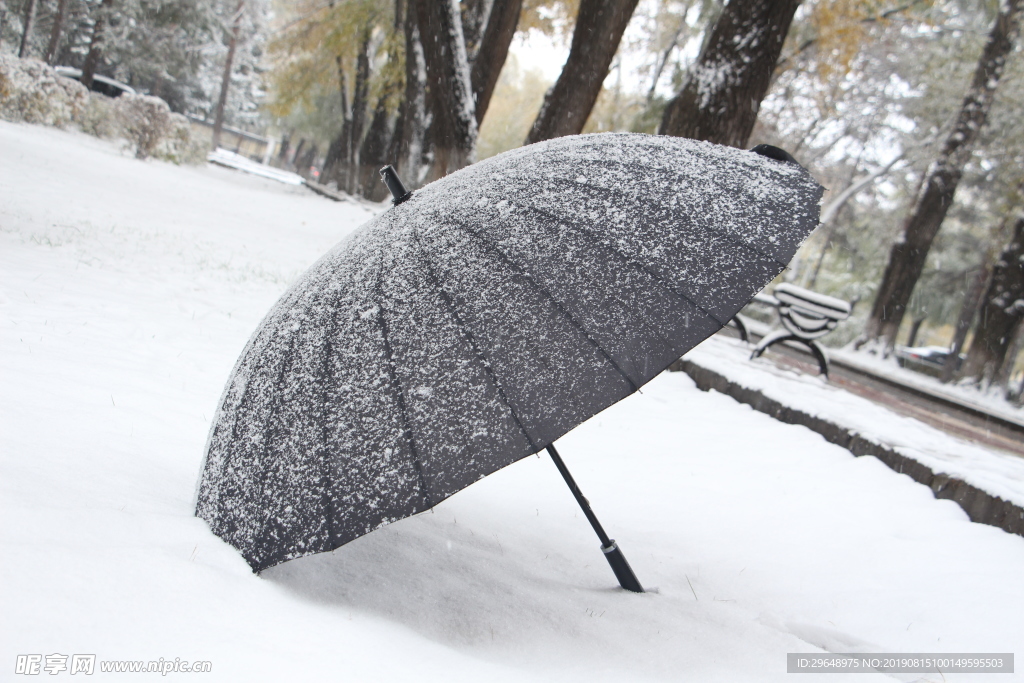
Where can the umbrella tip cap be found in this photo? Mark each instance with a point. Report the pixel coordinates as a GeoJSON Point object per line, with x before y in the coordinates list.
{"type": "Point", "coordinates": [399, 193]}
{"type": "Point", "coordinates": [776, 153]}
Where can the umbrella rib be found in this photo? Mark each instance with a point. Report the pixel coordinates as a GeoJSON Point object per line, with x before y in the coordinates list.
{"type": "Point", "coordinates": [543, 290]}
{"type": "Point", "coordinates": [268, 426]}
{"type": "Point", "coordinates": [245, 395]}
{"type": "Point", "coordinates": [481, 357]}
{"type": "Point", "coordinates": [235, 421]}
{"type": "Point", "coordinates": [396, 384]}
{"type": "Point", "coordinates": [669, 287]}
{"type": "Point", "coordinates": [277, 403]}
{"type": "Point", "coordinates": [325, 479]}
{"type": "Point", "coordinates": [617, 194]}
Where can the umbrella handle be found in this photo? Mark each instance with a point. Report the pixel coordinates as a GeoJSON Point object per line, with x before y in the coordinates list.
{"type": "Point", "coordinates": [623, 572]}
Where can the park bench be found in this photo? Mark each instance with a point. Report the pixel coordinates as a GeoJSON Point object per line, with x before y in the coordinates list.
{"type": "Point", "coordinates": [806, 317]}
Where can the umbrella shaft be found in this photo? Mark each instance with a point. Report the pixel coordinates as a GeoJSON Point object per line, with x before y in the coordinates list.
{"type": "Point", "coordinates": [584, 503]}
{"type": "Point", "coordinates": [612, 553]}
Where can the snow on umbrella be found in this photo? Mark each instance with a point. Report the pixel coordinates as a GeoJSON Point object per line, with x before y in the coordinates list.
{"type": "Point", "coordinates": [482, 318]}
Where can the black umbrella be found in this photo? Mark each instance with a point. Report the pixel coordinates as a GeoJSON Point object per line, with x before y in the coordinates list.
{"type": "Point", "coordinates": [482, 318]}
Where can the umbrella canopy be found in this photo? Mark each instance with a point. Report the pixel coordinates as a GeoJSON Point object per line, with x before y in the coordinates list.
{"type": "Point", "coordinates": [480, 320]}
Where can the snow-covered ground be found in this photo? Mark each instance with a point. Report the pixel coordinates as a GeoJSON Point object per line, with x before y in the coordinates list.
{"type": "Point", "coordinates": [127, 290]}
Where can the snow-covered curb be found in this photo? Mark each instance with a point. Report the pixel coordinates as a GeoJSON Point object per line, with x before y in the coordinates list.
{"type": "Point", "coordinates": [238, 162]}
{"type": "Point", "coordinates": [988, 485]}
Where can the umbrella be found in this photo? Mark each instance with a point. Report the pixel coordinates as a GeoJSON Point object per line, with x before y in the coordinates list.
{"type": "Point", "coordinates": [480, 319]}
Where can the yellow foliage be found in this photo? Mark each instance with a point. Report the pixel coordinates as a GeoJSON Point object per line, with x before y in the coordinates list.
{"type": "Point", "coordinates": [312, 37]}
{"type": "Point", "coordinates": [551, 17]}
{"type": "Point", "coordinates": [841, 30]}
{"type": "Point", "coordinates": [842, 27]}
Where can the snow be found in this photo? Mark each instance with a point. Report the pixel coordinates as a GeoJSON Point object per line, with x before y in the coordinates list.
{"type": "Point", "coordinates": [238, 162]}
{"type": "Point", "coordinates": [820, 304]}
{"type": "Point", "coordinates": [996, 472]}
{"type": "Point", "coordinates": [127, 291]}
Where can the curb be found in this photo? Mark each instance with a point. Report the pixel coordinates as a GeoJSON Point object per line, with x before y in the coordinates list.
{"type": "Point", "coordinates": [980, 506]}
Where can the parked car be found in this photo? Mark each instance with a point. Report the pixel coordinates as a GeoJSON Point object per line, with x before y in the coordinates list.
{"type": "Point", "coordinates": [101, 84]}
{"type": "Point", "coordinates": [926, 359]}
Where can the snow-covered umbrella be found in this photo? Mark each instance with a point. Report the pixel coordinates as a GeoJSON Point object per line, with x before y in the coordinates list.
{"type": "Point", "coordinates": [479, 320]}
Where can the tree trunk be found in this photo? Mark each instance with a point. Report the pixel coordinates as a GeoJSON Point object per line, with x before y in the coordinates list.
{"type": "Point", "coordinates": [92, 58]}
{"type": "Point", "coordinates": [720, 99]}
{"type": "Point", "coordinates": [1005, 373]}
{"type": "Point", "coordinates": [915, 327]}
{"type": "Point", "coordinates": [493, 50]}
{"type": "Point", "coordinates": [225, 83]}
{"type": "Point", "coordinates": [1001, 312]}
{"type": "Point", "coordinates": [3, 20]}
{"type": "Point", "coordinates": [968, 312]}
{"type": "Point", "coordinates": [55, 32]}
{"type": "Point", "coordinates": [284, 150]}
{"type": "Point", "coordinates": [304, 164]}
{"type": "Point", "coordinates": [907, 258]}
{"type": "Point", "coordinates": [475, 14]}
{"type": "Point", "coordinates": [337, 164]}
{"type": "Point", "coordinates": [298, 153]}
{"type": "Point", "coordinates": [360, 94]}
{"type": "Point", "coordinates": [333, 159]}
{"type": "Point", "coordinates": [451, 95]}
{"type": "Point", "coordinates": [407, 142]}
{"type": "Point", "coordinates": [30, 23]}
{"type": "Point", "coordinates": [394, 150]}
{"type": "Point", "coordinates": [665, 54]}
{"type": "Point", "coordinates": [595, 40]}
{"type": "Point", "coordinates": [373, 152]}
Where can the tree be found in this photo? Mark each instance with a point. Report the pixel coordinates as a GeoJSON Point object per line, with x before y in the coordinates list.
{"type": "Point", "coordinates": [338, 163]}
{"type": "Point", "coordinates": [331, 62]}
{"type": "Point", "coordinates": [96, 40]}
{"type": "Point", "coordinates": [30, 25]}
{"type": "Point", "coordinates": [595, 40]}
{"type": "Point", "coordinates": [167, 49]}
{"type": "Point", "coordinates": [908, 254]}
{"type": "Point", "coordinates": [722, 95]}
{"type": "Point", "coordinates": [379, 146]}
{"type": "Point", "coordinates": [373, 152]}
{"type": "Point", "coordinates": [30, 21]}
{"type": "Point", "coordinates": [407, 142]}
{"type": "Point", "coordinates": [405, 102]}
{"type": "Point", "coordinates": [968, 312]}
{"type": "Point", "coordinates": [454, 127]}
{"type": "Point", "coordinates": [55, 32]}
{"type": "Point", "coordinates": [225, 84]}
{"type": "Point", "coordinates": [360, 99]}
{"type": "Point", "coordinates": [829, 213]}
{"type": "Point", "coordinates": [1001, 312]}
{"type": "Point", "coordinates": [474, 19]}
{"type": "Point", "coordinates": [490, 55]}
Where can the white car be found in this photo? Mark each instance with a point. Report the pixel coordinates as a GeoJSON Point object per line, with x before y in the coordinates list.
{"type": "Point", "coordinates": [926, 359]}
